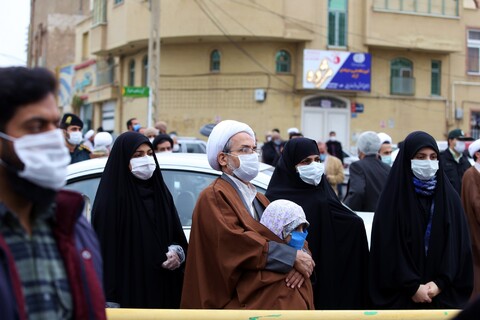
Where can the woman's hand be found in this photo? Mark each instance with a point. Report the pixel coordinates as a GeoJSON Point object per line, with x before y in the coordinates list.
{"type": "Point", "coordinates": [172, 262]}
{"type": "Point", "coordinates": [434, 289]}
{"type": "Point", "coordinates": [422, 296]}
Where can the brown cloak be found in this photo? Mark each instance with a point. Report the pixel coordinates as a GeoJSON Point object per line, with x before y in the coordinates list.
{"type": "Point", "coordinates": [227, 255]}
{"type": "Point", "coordinates": [471, 205]}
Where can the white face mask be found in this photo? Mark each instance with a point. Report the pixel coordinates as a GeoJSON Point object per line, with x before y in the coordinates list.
{"type": "Point", "coordinates": [459, 146]}
{"type": "Point", "coordinates": [143, 167]}
{"type": "Point", "coordinates": [176, 148]}
{"type": "Point", "coordinates": [248, 168]}
{"type": "Point", "coordinates": [312, 173]}
{"type": "Point", "coordinates": [75, 137]}
{"type": "Point", "coordinates": [333, 138]}
{"type": "Point", "coordinates": [44, 156]}
{"type": "Point", "coordinates": [387, 159]}
{"type": "Point", "coordinates": [424, 169]}
{"type": "Point", "coordinates": [151, 140]}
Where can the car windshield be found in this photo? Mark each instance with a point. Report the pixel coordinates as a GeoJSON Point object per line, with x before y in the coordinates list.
{"type": "Point", "coordinates": [185, 187]}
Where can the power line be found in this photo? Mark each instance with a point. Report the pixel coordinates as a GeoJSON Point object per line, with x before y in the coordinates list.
{"type": "Point", "coordinates": [218, 24]}
{"type": "Point", "coordinates": [298, 22]}
{"type": "Point", "coordinates": [12, 57]}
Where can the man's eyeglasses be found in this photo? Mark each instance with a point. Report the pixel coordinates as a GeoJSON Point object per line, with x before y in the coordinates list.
{"type": "Point", "coordinates": [244, 150]}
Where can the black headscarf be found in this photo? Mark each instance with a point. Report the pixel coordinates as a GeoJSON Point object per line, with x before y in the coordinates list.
{"type": "Point", "coordinates": [398, 264]}
{"type": "Point", "coordinates": [336, 235]}
{"type": "Point", "coordinates": [136, 221]}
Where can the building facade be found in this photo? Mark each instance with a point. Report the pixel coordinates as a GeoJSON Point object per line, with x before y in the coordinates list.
{"type": "Point", "coordinates": [248, 60]}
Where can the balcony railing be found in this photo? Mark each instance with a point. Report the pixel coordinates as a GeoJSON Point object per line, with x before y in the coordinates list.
{"type": "Point", "coordinates": [447, 8]}
{"type": "Point", "coordinates": [402, 86]}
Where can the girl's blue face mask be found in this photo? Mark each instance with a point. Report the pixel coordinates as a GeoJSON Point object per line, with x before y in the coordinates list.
{"type": "Point", "coordinates": [298, 239]}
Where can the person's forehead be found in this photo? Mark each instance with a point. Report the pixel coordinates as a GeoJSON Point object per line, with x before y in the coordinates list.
{"type": "Point", "coordinates": [164, 143]}
{"type": "Point", "coordinates": [143, 147]}
{"type": "Point", "coordinates": [242, 138]}
{"type": "Point", "coordinates": [45, 109]}
{"type": "Point", "coordinates": [426, 151]}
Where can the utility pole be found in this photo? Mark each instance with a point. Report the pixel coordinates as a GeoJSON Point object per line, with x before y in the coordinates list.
{"type": "Point", "coordinates": [153, 61]}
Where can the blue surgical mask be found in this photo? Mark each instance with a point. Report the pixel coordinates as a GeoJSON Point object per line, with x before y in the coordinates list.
{"type": "Point", "coordinates": [137, 127]}
{"type": "Point", "coordinates": [387, 160]}
{"type": "Point", "coordinates": [298, 239]}
{"type": "Point", "coordinates": [323, 156]}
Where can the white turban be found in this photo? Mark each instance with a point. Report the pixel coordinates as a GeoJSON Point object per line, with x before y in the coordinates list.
{"type": "Point", "coordinates": [103, 139]}
{"type": "Point", "coordinates": [474, 147]}
{"type": "Point", "coordinates": [89, 134]}
{"type": "Point", "coordinates": [219, 137]}
{"type": "Point", "coordinates": [293, 130]}
{"type": "Point", "coordinates": [369, 143]}
{"type": "Point", "coordinates": [384, 137]}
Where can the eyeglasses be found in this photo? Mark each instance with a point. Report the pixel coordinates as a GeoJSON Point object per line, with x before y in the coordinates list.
{"type": "Point", "coordinates": [244, 150]}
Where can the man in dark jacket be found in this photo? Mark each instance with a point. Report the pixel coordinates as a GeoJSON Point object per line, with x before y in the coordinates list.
{"type": "Point", "coordinates": [455, 163]}
{"type": "Point", "coordinates": [272, 149]}
{"type": "Point", "coordinates": [334, 147]}
{"type": "Point", "coordinates": [50, 263]}
{"type": "Point", "coordinates": [367, 176]}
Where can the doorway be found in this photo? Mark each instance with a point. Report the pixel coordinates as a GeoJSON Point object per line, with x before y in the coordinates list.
{"type": "Point", "coordinates": [322, 114]}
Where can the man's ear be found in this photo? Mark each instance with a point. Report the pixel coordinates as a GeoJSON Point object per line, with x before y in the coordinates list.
{"type": "Point", "coordinates": [222, 159]}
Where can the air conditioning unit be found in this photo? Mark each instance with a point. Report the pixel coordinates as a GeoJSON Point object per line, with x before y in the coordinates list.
{"type": "Point", "coordinates": [458, 114]}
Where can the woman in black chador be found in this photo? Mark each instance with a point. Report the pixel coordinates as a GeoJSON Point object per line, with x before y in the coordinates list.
{"type": "Point", "coordinates": [336, 235]}
{"type": "Point", "coordinates": [142, 241]}
{"type": "Point", "coordinates": [420, 255]}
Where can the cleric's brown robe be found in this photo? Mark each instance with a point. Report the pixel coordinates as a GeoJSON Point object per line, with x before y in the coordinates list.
{"type": "Point", "coordinates": [227, 254]}
{"type": "Point", "coordinates": [471, 205]}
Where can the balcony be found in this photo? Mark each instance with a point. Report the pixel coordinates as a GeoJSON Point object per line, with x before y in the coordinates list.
{"type": "Point", "coordinates": [402, 86]}
{"type": "Point", "coordinates": [98, 38]}
{"type": "Point", "coordinates": [414, 27]}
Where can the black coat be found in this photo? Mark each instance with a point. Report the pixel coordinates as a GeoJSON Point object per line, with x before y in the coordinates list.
{"type": "Point", "coordinates": [271, 152]}
{"type": "Point", "coordinates": [136, 221]}
{"type": "Point", "coordinates": [367, 179]}
{"type": "Point", "coordinates": [335, 149]}
{"type": "Point", "coordinates": [453, 169]}
{"type": "Point", "coordinates": [336, 237]}
{"type": "Point", "coordinates": [403, 255]}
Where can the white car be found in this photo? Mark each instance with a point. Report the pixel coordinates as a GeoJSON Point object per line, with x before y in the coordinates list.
{"type": "Point", "coordinates": [186, 175]}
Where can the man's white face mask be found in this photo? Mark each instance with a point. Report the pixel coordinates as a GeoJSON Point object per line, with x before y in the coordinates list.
{"type": "Point", "coordinates": [44, 156]}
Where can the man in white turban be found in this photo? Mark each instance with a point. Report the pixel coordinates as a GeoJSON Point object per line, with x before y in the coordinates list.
{"type": "Point", "coordinates": [233, 260]}
{"type": "Point", "coordinates": [367, 176]}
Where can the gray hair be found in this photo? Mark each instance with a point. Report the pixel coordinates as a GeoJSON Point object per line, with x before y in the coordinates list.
{"type": "Point", "coordinates": [369, 143]}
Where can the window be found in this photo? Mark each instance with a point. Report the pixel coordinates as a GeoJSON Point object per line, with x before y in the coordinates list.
{"type": "Point", "coordinates": [473, 56]}
{"type": "Point", "coordinates": [475, 124]}
{"type": "Point", "coordinates": [448, 8]}
{"type": "Point", "coordinates": [117, 1]}
{"type": "Point", "coordinates": [401, 77]}
{"type": "Point", "coordinates": [215, 61]}
{"type": "Point", "coordinates": [105, 71]}
{"type": "Point", "coordinates": [85, 46]}
{"type": "Point", "coordinates": [436, 77]}
{"type": "Point", "coordinates": [337, 23]}
{"type": "Point", "coordinates": [131, 73]}
{"type": "Point", "coordinates": [99, 14]}
{"type": "Point", "coordinates": [283, 61]}
{"type": "Point", "coordinates": [145, 71]}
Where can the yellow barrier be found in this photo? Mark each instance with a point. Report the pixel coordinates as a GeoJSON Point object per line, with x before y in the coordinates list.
{"type": "Point", "coordinates": [150, 314]}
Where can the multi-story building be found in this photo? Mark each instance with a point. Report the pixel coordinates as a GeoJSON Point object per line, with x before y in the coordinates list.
{"type": "Point", "coordinates": [51, 36]}
{"type": "Point", "coordinates": [385, 65]}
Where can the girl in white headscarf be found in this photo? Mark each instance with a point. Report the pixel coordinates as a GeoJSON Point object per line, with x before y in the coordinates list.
{"type": "Point", "coordinates": [287, 220]}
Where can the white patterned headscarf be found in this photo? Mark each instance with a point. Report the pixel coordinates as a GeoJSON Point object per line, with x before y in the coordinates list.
{"type": "Point", "coordinates": [282, 217]}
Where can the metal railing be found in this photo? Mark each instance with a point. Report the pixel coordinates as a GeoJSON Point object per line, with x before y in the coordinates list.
{"type": "Point", "coordinates": [150, 314]}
